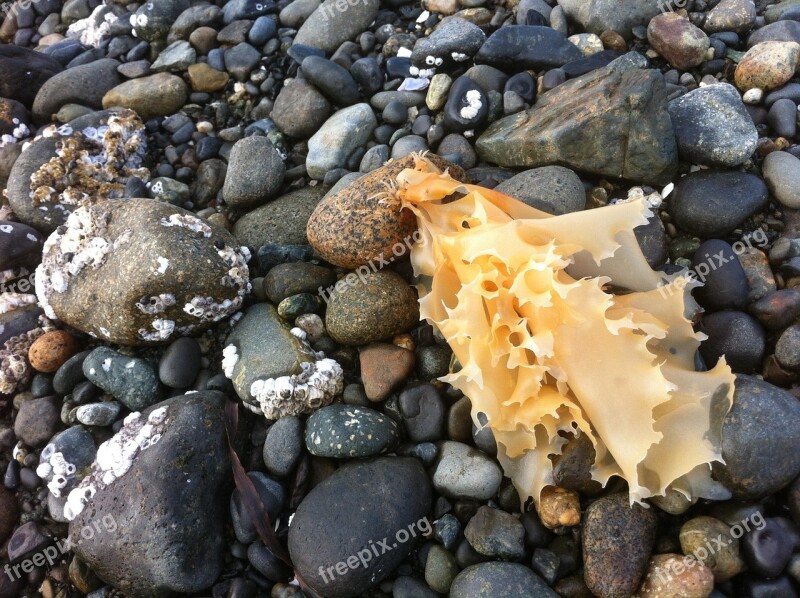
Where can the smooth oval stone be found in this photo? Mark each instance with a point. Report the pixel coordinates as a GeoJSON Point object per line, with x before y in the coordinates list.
{"type": "Point", "coordinates": [348, 431]}
{"type": "Point", "coordinates": [767, 550]}
{"type": "Point", "coordinates": [499, 580]}
{"type": "Point", "coordinates": [736, 336]}
{"type": "Point", "coordinates": [523, 47]}
{"type": "Point", "coordinates": [351, 511]}
{"type": "Point", "coordinates": [725, 283]}
{"type": "Point", "coordinates": [760, 436]}
{"type": "Point", "coordinates": [713, 203]}
{"type": "Point", "coordinates": [180, 363]}
{"type": "Point", "coordinates": [463, 472]}
{"type": "Point", "coordinates": [332, 80]}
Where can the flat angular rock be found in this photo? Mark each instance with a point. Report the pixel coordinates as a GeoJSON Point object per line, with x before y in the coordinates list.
{"type": "Point", "coordinates": [612, 122]}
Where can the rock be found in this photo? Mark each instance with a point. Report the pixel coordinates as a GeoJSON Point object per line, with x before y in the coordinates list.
{"type": "Point", "coordinates": [23, 72]}
{"type": "Point", "coordinates": [712, 126]}
{"type": "Point", "coordinates": [462, 472]}
{"type": "Point", "coordinates": [787, 349]}
{"type": "Point", "coordinates": [466, 108]}
{"type": "Point", "coordinates": [781, 172]}
{"type": "Point", "coordinates": [440, 571]}
{"type": "Point", "coordinates": [422, 409]}
{"type": "Point", "coordinates": [152, 21]}
{"type": "Point", "coordinates": [597, 16]}
{"type": "Point", "coordinates": [652, 238]}
{"type": "Point", "coordinates": [85, 85]}
{"type": "Point", "coordinates": [131, 380]}
{"type": "Point", "coordinates": [516, 47]}
{"type": "Point", "coordinates": [343, 133]}
{"type": "Point", "coordinates": [617, 541]}
{"type": "Point", "coordinates": [255, 173]}
{"type": "Point", "coordinates": [725, 284]}
{"type": "Point", "coordinates": [559, 507]}
{"type": "Point", "coordinates": [51, 350]}
{"type": "Point", "coordinates": [342, 517]}
{"type": "Point", "coordinates": [37, 420]}
{"type": "Point", "coordinates": [735, 335]}
{"type": "Point", "coordinates": [454, 41]}
{"type": "Point", "coordinates": [380, 307]}
{"type": "Point", "coordinates": [767, 65]}
{"type": "Point", "coordinates": [349, 431]}
{"type": "Point", "coordinates": [168, 532]}
{"type": "Point", "coordinates": [155, 290]}
{"type": "Point", "coordinates": [20, 245]}
{"type": "Point", "coordinates": [241, 59]}
{"type": "Point", "coordinates": [9, 513]}
{"type": "Point", "coordinates": [552, 189]}
{"type": "Point", "coordinates": [383, 367]}
{"type": "Point", "coordinates": [283, 446]}
{"type": "Point", "coordinates": [161, 94]}
{"type": "Point", "coordinates": [731, 15]}
{"type": "Point", "coordinates": [627, 135]}
{"type": "Point", "coordinates": [782, 117]}
{"type": "Point", "coordinates": [191, 19]}
{"type": "Point", "coordinates": [180, 363]}
{"type": "Point", "coordinates": [667, 575]}
{"type": "Point", "coordinates": [712, 203]}
{"type": "Point", "coordinates": [495, 533]}
{"type": "Point", "coordinates": [272, 495]}
{"type": "Point", "coordinates": [282, 221]}
{"type": "Point", "coordinates": [237, 10]}
{"type": "Point", "coordinates": [768, 548]}
{"type": "Point", "coordinates": [333, 24]}
{"type": "Point", "coordinates": [285, 280]}
{"type": "Point", "coordinates": [353, 227]}
{"type": "Point", "coordinates": [724, 560]}
{"type": "Point", "coordinates": [766, 417]}
{"type": "Point", "coordinates": [300, 109]}
{"type": "Point", "coordinates": [675, 38]}
{"type": "Point", "coordinates": [778, 309]}
{"type": "Point", "coordinates": [333, 80]}
{"type": "Point", "coordinates": [499, 580]}
{"type": "Point", "coordinates": [203, 78]}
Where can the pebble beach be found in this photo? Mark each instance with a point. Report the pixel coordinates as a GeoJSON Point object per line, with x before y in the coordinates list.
{"type": "Point", "coordinates": [220, 375]}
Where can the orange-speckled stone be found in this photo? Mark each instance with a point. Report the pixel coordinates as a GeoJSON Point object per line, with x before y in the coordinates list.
{"type": "Point", "coordinates": [51, 350]}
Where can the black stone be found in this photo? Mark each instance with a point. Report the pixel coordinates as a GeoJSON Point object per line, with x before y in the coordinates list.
{"type": "Point", "coordinates": [523, 85]}
{"type": "Point", "coordinates": [457, 100]}
{"type": "Point", "coordinates": [768, 550]}
{"type": "Point", "coordinates": [423, 413]}
{"type": "Point", "coordinates": [367, 73]}
{"type": "Point", "coordinates": [180, 363]}
{"type": "Point", "coordinates": [725, 284]}
{"type": "Point", "coordinates": [332, 80]}
{"type": "Point", "coordinates": [737, 336]}
{"type": "Point", "coordinates": [23, 72]}
{"type": "Point", "coordinates": [69, 374]}
{"type": "Point", "coordinates": [587, 64]}
{"type": "Point", "coordinates": [521, 47]}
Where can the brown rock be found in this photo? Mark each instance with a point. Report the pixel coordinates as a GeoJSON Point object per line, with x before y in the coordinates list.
{"type": "Point", "coordinates": [9, 514]}
{"type": "Point", "coordinates": [157, 95]}
{"type": "Point", "coordinates": [759, 275]}
{"type": "Point", "coordinates": [206, 79]}
{"type": "Point", "coordinates": [777, 310]}
{"type": "Point", "coordinates": [558, 507]}
{"type": "Point", "coordinates": [673, 575]}
{"type": "Point", "coordinates": [731, 15]}
{"type": "Point", "coordinates": [204, 39]}
{"type": "Point", "coordinates": [613, 41]}
{"type": "Point", "coordinates": [767, 65]}
{"type": "Point", "coordinates": [51, 350]}
{"type": "Point", "coordinates": [383, 367]}
{"type": "Point", "coordinates": [353, 227]}
{"type": "Point", "coordinates": [680, 43]}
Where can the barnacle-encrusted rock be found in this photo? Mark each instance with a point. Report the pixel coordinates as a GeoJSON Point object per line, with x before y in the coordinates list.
{"type": "Point", "coordinates": [274, 370]}
{"type": "Point", "coordinates": [84, 161]}
{"type": "Point", "coordinates": [15, 369]}
{"type": "Point", "coordinates": [139, 271]}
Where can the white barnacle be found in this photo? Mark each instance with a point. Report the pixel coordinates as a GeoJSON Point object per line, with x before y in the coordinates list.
{"type": "Point", "coordinates": [163, 264]}
{"type": "Point", "coordinates": [316, 385]}
{"type": "Point", "coordinates": [459, 56]}
{"type": "Point", "coordinates": [230, 358]}
{"type": "Point", "coordinates": [474, 104]}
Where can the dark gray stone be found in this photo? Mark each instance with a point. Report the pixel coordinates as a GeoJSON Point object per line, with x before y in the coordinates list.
{"type": "Point", "coordinates": [499, 580]}
{"type": "Point", "coordinates": [517, 47]}
{"type": "Point", "coordinates": [131, 380]}
{"type": "Point", "coordinates": [348, 431]}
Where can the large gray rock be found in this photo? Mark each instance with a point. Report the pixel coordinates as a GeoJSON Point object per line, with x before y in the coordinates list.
{"type": "Point", "coordinates": [612, 121]}
{"type": "Point", "coordinates": [282, 220]}
{"type": "Point", "coordinates": [336, 22]}
{"type": "Point", "coordinates": [621, 16]}
{"type": "Point", "coordinates": [360, 505]}
{"type": "Point", "coordinates": [135, 262]}
{"type": "Point", "coordinates": [162, 523]}
{"type": "Point", "coordinates": [85, 85]}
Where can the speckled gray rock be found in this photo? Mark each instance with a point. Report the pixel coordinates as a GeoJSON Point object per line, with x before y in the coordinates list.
{"type": "Point", "coordinates": [131, 380]}
{"type": "Point", "coordinates": [265, 348]}
{"type": "Point", "coordinates": [499, 580]}
{"type": "Point", "coordinates": [255, 173]}
{"type": "Point", "coordinates": [359, 505]}
{"type": "Point", "coordinates": [335, 22]}
{"type": "Point", "coordinates": [454, 41]}
{"type": "Point", "coordinates": [135, 262]}
{"type": "Point", "coordinates": [495, 533]}
{"type": "Point", "coordinates": [712, 126]}
{"type": "Point", "coordinates": [285, 280]}
{"type": "Point", "coordinates": [461, 471]}
{"type": "Point", "coordinates": [349, 431]}
{"type": "Point", "coordinates": [85, 84]}
{"type": "Point", "coordinates": [617, 541]}
{"type": "Point", "coordinates": [621, 16]}
{"type": "Point", "coordinates": [766, 417]}
{"type": "Point", "coordinates": [552, 189]}
{"type": "Point", "coordinates": [300, 109]}
{"type": "Point", "coordinates": [282, 220]}
{"type": "Point", "coordinates": [167, 535]}
{"type": "Point", "coordinates": [343, 133]}
{"type": "Point", "coordinates": [378, 308]}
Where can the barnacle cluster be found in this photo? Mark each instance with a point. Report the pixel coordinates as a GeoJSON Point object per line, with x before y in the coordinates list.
{"type": "Point", "coordinates": [55, 470]}
{"type": "Point", "coordinates": [11, 301]}
{"type": "Point", "coordinates": [18, 132]}
{"type": "Point", "coordinates": [15, 369]}
{"type": "Point", "coordinates": [116, 456]}
{"type": "Point", "coordinates": [547, 350]}
{"type": "Point", "coordinates": [92, 30]}
{"type": "Point", "coordinates": [91, 164]}
{"type": "Point", "coordinates": [208, 309]}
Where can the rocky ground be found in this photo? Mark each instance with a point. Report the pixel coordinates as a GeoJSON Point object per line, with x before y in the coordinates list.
{"type": "Point", "coordinates": [161, 163]}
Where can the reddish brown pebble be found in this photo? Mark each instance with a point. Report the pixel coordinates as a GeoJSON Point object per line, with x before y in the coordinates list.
{"type": "Point", "coordinates": [51, 350]}
{"type": "Point", "coordinates": [383, 367]}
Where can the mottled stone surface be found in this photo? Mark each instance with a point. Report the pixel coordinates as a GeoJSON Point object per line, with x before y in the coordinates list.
{"type": "Point", "coordinates": [157, 95]}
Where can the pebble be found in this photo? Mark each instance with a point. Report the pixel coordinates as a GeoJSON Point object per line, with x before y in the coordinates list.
{"type": "Point", "coordinates": [768, 548]}
{"type": "Point", "coordinates": [675, 38]}
{"type": "Point", "coordinates": [340, 135]}
{"type": "Point", "coordinates": [98, 414]}
{"type": "Point", "coordinates": [462, 472]}
{"type": "Point", "coordinates": [272, 496]}
{"type": "Point", "coordinates": [667, 575]}
{"type": "Point", "coordinates": [499, 580]}
{"type": "Point", "coordinates": [333, 24]}
{"type": "Point", "coordinates": [712, 126]}
{"type": "Point", "coordinates": [423, 413]}
{"type": "Point", "coordinates": [782, 174]}
{"type": "Point", "coordinates": [203, 78]}
{"type": "Point", "coordinates": [380, 307]}
{"type": "Point", "coordinates": [70, 374]}
{"type": "Point", "coordinates": [384, 367]}
{"type": "Point", "coordinates": [716, 264]}
{"type": "Point", "coordinates": [180, 363]}
{"type": "Point", "coordinates": [86, 85]}
{"type": "Point", "coordinates": [440, 569]}
{"type": "Point", "coordinates": [552, 189]}
{"type": "Point", "coordinates": [332, 80]}
{"type": "Point", "coordinates": [617, 541]}
{"type": "Point", "coordinates": [161, 94]}
{"type": "Point", "coordinates": [37, 420]}
{"type": "Point", "coordinates": [767, 65]}
{"type": "Point", "coordinates": [131, 380]}
{"type": "Point", "coordinates": [768, 417]}
{"type": "Point", "coordinates": [495, 533]}
{"type": "Point", "coordinates": [699, 533]}
{"type": "Point", "coordinates": [736, 335]}
{"type": "Point", "coordinates": [453, 42]}
{"type": "Point", "coordinates": [175, 58]}
{"type": "Point", "coordinates": [778, 309]}
{"type": "Point", "coordinates": [731, 15]}
{"type": "Point", "coordinates": [782, 118]}
{"type": "Point", "coordinates": [559, 507]}
{"type": "Point", "coordinates": [51, 350]}
{"type": "Point", "coordinates": [281, 221]}
{"type": "Point", "coordinates": [9, 514]}
{"type": "Point", "coordinates": [255, 173]}
{"type": "Point", "coordinates": [23, 72]}
{"type": "Point", "coordinates": [240, 60]}
{"type": "Point", "coordinates": [523, 47]}
{"type": "Point", "coordinates": [787, 349]}
{"type": "Point", "coordinates": [348, 431]}
{"type": "Point", "coordinates": [283, 446]}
